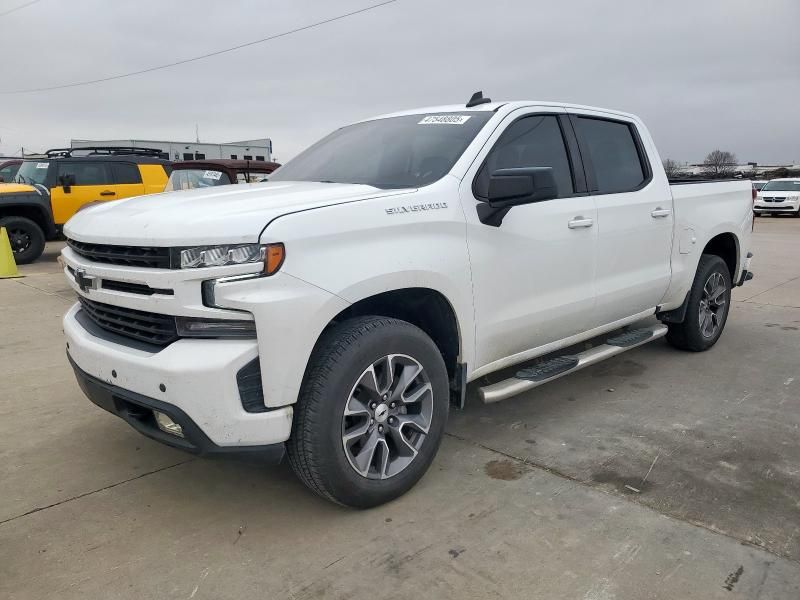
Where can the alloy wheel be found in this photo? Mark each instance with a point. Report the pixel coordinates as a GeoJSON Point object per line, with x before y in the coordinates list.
{"type": "Point", "coordinates": [712, 305]}
{"type": "Point", "coordinates": [387, 416]}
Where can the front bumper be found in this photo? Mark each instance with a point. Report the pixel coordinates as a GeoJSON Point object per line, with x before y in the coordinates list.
{"type": "Point", "coordinates": [786, 206]}
{"type": "Point", "coordinates": [196, 378]}
{"type": "Point", "coordinates": [137, 411]}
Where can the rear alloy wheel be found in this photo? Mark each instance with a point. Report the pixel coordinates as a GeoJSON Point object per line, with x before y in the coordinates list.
{"type": "Point", "coordinates": [26, 238]}
{"type": "Point", "coordinates": [371, 411]}
{"type": "Point", "coordinates": [707, 310]}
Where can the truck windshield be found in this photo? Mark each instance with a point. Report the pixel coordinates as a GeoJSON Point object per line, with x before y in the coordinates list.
{"type": "Point", "coordinates": [782, 186]}
{"type": "Point", "coordinates": [189, 179]}
{"type": "Point", "coordinates": [32, 171]}
{"type": "Point", "coordinates": [396, 152]}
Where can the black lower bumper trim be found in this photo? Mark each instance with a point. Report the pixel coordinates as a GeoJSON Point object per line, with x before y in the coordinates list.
{"type": "Point", "coordinates": [137, 411]}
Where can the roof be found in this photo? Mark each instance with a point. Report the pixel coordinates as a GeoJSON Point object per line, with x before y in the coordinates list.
{"type": "Point", "coordinates": [228, 163]}
{"type": "Point", "coordinates": [496, 106]}
{"type": "Point", "coordinates": [786, 179]}
{"type": "Point", "coordinates": [126, 158]}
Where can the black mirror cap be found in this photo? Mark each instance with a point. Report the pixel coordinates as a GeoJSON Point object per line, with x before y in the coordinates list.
{"type": "Point", "coordinates": [510, 187]}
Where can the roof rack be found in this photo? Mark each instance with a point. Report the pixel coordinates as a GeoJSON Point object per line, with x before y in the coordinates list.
{"type": "Point", "coordinates": [104, 151]}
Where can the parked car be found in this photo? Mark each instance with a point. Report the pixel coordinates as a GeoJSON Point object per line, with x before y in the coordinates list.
{"type": "Point", "coordinates": [191, 174]}
{"type": "Point", "coordinates": [779, 196]}
{"type": "Point", "coordinates": [336, 311]}
{"type": "Point", "coordinates": [48, 191]}
{"type": "Point", "coordinates": [8, 170]}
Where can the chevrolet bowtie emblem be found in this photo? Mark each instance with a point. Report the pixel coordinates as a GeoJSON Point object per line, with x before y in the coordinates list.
{"type": "Point", "coordinates": [84, 281]}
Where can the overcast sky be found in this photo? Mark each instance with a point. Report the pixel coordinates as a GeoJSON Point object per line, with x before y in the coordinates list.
{"type": "Point", "coordinates": [701, 73]}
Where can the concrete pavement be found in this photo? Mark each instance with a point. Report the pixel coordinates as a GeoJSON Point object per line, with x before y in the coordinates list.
{"type": "Point", "coordinates": [526, 499]}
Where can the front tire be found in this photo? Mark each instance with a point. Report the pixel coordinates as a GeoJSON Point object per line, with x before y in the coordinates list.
{"type": "Point", "coordinates": [26, 237]}
{"type": "Point", "coordinates": [709, 302]}
{"type": "Point", "coordinates": [371, 411]}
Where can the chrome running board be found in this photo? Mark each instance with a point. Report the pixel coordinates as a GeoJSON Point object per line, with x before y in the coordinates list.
{"type": "Point", "coordinates": [553, 368]}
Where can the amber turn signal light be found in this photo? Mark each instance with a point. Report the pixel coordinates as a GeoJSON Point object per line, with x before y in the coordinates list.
{"type": "Point", "coordinates": [275, 255]}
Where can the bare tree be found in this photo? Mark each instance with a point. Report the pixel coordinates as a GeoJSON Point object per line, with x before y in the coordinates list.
{"type": "Point", "coordinates": [672, 168]}
{"type": "Point", "coordinates": [720, 163]}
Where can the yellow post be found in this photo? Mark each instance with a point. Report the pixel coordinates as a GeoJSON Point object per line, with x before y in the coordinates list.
{"type": "Point", "coordinates": [8, 267]}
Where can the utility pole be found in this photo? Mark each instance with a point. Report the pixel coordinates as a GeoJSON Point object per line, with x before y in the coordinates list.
{"type": "Point", "coordinates": [196, 133]}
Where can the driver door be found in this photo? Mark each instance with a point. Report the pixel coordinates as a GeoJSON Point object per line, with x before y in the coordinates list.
{"type": "Point", "coordinates": [92, 181]}
{"type": "Point", "coordinates": [533, 275]}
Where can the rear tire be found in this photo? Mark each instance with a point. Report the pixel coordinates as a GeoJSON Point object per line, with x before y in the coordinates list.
{"type": "Point", "coordinates": [371, 411]}
{"type": "Point", "coordinates": [26, 237]}
{"type": "Point", "coordinates": [709, 303]}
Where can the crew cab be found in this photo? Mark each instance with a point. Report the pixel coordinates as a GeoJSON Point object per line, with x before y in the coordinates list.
{"type": "Point", "coordinates": [48, 191]}
{"type": "Point", "coordinates": [337, 311]}
{"type": "Point", "coordinates": [192, 174]}
{"type": "Point", "coordinates": [779, 196]}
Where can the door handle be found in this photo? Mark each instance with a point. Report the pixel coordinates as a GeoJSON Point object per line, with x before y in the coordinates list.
{"type": "Point", "coordinates": [108, 193]}
{"type": "Point", "coordinates": [579, 222]}
{"type": "Point", "coordinates": [660, 212]}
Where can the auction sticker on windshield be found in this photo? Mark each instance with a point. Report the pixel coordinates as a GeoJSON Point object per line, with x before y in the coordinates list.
{"type": "Point", "coordinates": [41, 165]}
{"type": "Point", "coordinates": [444, 120]}
{"type": "Point", "coordinates": [215, 175]}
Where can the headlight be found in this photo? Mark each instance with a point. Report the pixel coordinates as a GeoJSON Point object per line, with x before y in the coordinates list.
{"type": "Point", "coordinates": [215, 328]}
{"type": "Point", "coordinates": [218, 256]}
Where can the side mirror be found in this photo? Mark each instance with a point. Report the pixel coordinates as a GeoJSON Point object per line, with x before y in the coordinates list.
{"type": "Point", "coordinates": [512, 187]}
{"type": "Point", "coordinates": [66, 182]}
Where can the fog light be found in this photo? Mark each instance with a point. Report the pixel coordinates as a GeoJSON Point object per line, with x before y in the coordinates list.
{"type": "Point", "coordinates": [167, 425]}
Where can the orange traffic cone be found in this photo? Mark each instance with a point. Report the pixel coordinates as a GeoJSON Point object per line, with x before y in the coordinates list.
{"type": "Point", "coordinates": [8, 267]}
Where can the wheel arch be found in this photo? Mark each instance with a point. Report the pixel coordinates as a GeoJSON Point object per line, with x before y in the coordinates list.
{"type": "Point", "coordinates": [726, 246]}
{"type": "Point", "coordinates": [423, 307]}
{"type": "Point", "coordinates": [30, 209]}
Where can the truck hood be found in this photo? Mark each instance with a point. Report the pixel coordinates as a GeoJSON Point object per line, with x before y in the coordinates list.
{"type": "Point", "coordinates": [222, 215]}
{"type": "Point", "coordinates": [16, 188]}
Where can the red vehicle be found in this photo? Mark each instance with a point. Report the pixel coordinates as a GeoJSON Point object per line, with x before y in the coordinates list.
{"type": "Point", "coordinates": [190, 174]}
{"type": "Point", "coordinates": [8, 170]}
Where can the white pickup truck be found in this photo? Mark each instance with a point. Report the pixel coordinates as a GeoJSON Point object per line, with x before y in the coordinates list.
{"type": "Point", "coordinates": [335, 312]}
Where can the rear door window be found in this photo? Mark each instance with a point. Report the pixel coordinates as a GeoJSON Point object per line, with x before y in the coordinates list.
{"type": "Point", "coordinates": [86, 173]}
{"type": "Point", "coordinates": [615, 154]}
{"type": "Point", "coordinates": [126, 173]}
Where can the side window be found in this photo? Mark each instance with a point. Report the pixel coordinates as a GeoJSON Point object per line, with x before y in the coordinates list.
{"type": "Point", "coordinates": [126, 173]}
{"type": "Point", "coordinates": [86, 173]}
{"type": "Point", "coordinates": [534, 141]}
{"type": "Point", "coordinates": [8, 173]}
{"type": "Point", "coordinates": [614, 153]}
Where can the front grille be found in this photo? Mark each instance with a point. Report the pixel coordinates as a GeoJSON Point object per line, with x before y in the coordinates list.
{"type": "Point", "coordinates": [153, 257]}
{"type": "Point", "coordinates": [140, 325]}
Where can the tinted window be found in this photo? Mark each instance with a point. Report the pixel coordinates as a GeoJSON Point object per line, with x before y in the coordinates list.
{"type": "Point", "coordinates": [126, 173]}
{"type": "Point", "coordinates": [8, 173]}
{"type": "Point", "coordinates": [530, 142]}
{"type": "Point", "coordinates": [614, 153]}
{"type": "Point", "coordinates": [395, 152]}
{"type": "Point", "coordinates": [86, 173]}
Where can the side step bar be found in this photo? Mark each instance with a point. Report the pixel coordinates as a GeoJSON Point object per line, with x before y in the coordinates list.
{"type": "Point", "coordinates": [559, 366]}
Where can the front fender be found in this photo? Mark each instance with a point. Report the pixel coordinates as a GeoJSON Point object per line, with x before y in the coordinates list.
{"type": "Point", "coordinates": [28, 204]}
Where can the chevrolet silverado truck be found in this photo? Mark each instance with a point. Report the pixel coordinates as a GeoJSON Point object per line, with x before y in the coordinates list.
{"type": "Point", "coordinates": [337, 311]}
{"type": "Point", "coordinates": [48, 191]}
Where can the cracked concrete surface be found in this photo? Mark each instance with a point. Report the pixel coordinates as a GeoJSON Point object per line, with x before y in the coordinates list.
{"type": "Point", "coordinates": [527, 498]}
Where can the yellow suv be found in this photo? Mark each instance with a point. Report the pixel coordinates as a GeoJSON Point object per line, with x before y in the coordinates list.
{"type": "Point", "coordinates": [48, 191]}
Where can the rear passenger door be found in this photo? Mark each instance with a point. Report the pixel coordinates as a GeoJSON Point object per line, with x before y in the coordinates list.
{"type": "Point", "coordinates": [634, 217]}
{"type": "Point", "coordinates": [127, 180]}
